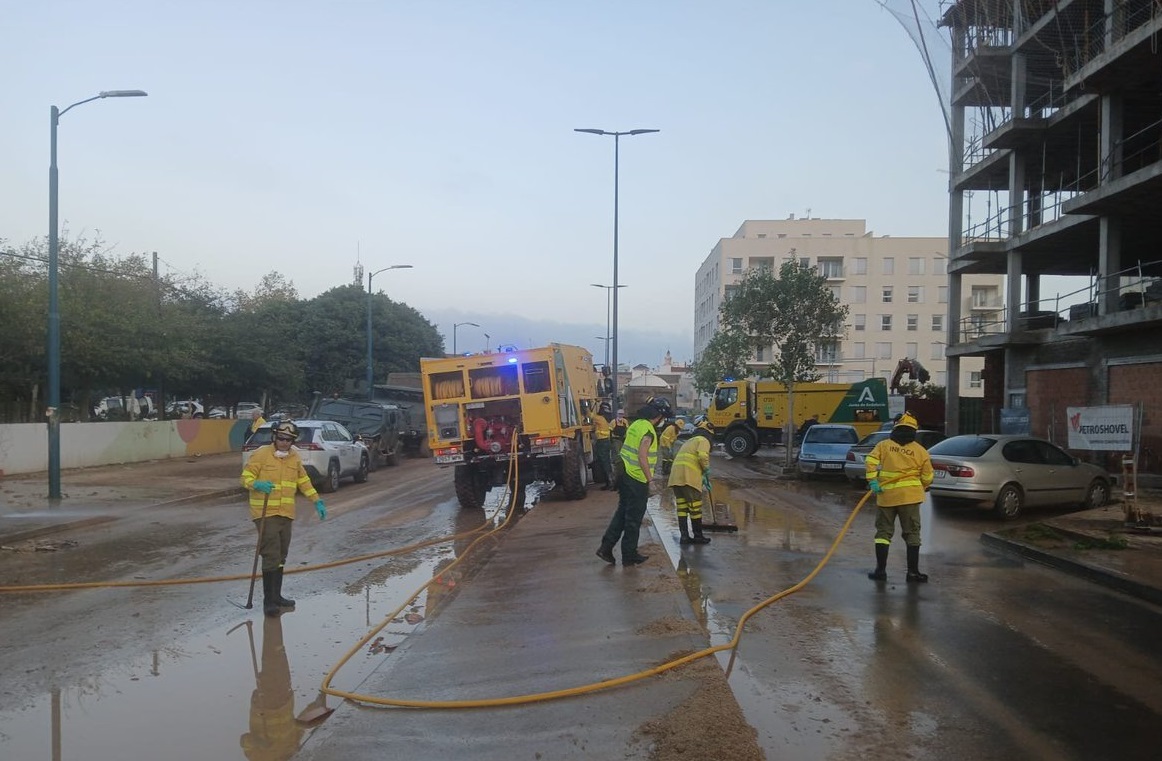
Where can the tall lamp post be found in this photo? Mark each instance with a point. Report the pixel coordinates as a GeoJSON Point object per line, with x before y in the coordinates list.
{"type": "Point", "coordinates": [370, 389]}
{"type": "Point", "coordinates": [454, 327]}
{"type": "Point", "coordinates": [616, 158]}
{"type": "Point", "coordinates": [54, 316]}
{"type": "Point", "coordinates": [608, 335]}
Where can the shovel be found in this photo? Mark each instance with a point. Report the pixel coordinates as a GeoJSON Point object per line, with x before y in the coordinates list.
{"type": "Point", "coordinates": [254, 568]}
{"type": "Point", "coordinates": [714, 525]}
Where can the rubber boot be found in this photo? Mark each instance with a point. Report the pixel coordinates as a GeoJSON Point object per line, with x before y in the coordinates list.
{"type": "Point", "coordinates": [880, 573]}
{"type": "Point", "coordinates": [914, 574]}
{"type": "Point", "coordinates": [269, 597]}
{"type": "Point", "coordinates": [283, 602]}
{"type": "Point", "coordinates": [684, 531]}
{"type": "Point", "coordinates": [698, 538]}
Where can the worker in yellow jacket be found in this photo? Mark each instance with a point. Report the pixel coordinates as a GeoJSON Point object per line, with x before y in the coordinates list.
{"type": "Point", "coordinates": [273, 475]}
{"type": "Point", "coordinates": [603, 446]}
{"type": "Point", "coordinates": [899, 471]}
{"type": "Point", "coordinates": [689, 476]}
{"type": "Point", "coordinates": [667, 441]}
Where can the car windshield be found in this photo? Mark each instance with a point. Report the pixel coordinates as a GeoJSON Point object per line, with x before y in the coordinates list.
{"type": "Point", "coordinates": [963, 446]}
{"type": "Point", "coordinates": [818, 435]}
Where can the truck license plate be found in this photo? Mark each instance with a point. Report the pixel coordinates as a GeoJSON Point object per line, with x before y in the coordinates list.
{"type": "Point", "coordinates": [444, 459]}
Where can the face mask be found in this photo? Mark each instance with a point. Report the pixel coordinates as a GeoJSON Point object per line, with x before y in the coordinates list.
{"type": "Point", "coordinates": [280, 454]}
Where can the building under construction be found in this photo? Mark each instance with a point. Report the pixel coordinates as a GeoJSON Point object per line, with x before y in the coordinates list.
{"type": "Point", "coordinates": [1056, 119]}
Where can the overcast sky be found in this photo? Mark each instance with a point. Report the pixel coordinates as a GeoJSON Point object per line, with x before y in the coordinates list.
{"type": "Point", "coordinates": [289, 135]}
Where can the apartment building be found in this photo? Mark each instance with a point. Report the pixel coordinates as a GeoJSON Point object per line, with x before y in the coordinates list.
{"type": "Point", "coordinates": [1055, 119]}
{"type": "Point", "coordinates": [895, 288]}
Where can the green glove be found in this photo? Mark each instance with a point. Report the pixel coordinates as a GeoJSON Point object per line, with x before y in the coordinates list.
{"type": "Point", "coordinates": [874, 485]}
{"type": "Point", "coordinates": [321, 509]}
{"type": "Point", "coordinates": [266, 487]}
{"type": "Point", "coordinates": [706, 481]}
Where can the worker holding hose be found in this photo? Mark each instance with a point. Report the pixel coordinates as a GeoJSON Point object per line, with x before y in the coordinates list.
{"type": "Point", "coordinates": [899, 471]}
{"type": "Point", "coordinates": [273, 475]}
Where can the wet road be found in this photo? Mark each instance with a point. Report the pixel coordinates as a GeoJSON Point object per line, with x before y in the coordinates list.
{"type": "Point", "coordinates": [992, 659]}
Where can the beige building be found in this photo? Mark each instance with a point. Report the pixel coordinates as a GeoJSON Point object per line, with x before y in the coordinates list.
{"type": "Point", "coordinates": [895, 288]}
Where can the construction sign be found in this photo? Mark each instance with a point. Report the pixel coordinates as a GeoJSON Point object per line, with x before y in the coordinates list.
{"type": "Point", "coordinates": [1109, 428]}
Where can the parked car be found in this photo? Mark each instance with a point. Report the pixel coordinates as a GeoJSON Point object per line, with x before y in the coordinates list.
{"type": "Point", "coordinates": [824, 448]}
{"type": "Point", "coordinates": [1011, 473]}
{"type": "Point", "coordinates": [328, 450]}
{"type": "Point", "coordinates": [854, 467]}
{"type": "Point", "coordinates": [248, 410]}
{"type": "Point", "coordinates": [387, 429]}
{"type": "Point", "coordinates": [185, 409]}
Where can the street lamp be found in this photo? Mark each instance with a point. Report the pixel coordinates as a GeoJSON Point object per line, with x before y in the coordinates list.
{"type": "Point", "coordinates": [370, 390]}
{"type": "Point", "coordinates": [54, 316]}
{"type": "Point", "coordinates": [454, 327]}
{"type": "Point", "coordinates": [615, 286]}
{"type": "Point", "coordinates": [608, 335]}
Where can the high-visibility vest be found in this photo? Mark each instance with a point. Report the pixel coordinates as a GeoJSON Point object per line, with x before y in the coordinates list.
{"type": "Point", "coordinates": [638, 430]}
{"type": "Point", "coordinates": [600, 427]}
{"type": "Point", "coordinates": [691, 462]}
{"type": "Point", "coordinates": [904, 471]}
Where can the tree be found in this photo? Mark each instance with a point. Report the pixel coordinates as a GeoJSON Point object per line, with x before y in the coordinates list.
{"type": "Point", "coordinates": [795, 312]}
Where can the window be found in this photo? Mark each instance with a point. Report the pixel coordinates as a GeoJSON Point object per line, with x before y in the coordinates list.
{"type": "Point", "coordinates": [885, 322]}
{"type": "Point", "coordinates": [911, 349]}
{"type": "Point", "coordinates": [889, 265]}
{"type": "Point", "coordinates": [985, 297]}
{"type": "Point", "coordinates": [883, 350]}
{"type": "Point", "coordinates": [859, 294]}
{"type": "Point", "coordinates": [831, 267]}
{"type": "Point", "coordinates": [859, 350]}
{"type": "Point", "coordinates": [827, 353]}
{"type": "Point", "coordinates": [536, 377]}
{"type": "Point", "coordinates": [887, 294]}
{"type": "Point", "coordinates": [859, 321]}
{"type": "Point", "coordinates": [859, 265]}
{"type": "Point", "coordinates": [758, 355]}
{"type": "Point", "coordinates": [975, 380]}
{"type": "Point", "coordinates": [937, 350]}
{"type": "Point", "coordinates": [725, 397]}
{"type": "Point", "coordinates": [913, 322]}
{"type": "Point", "coordinates": [915, 265]}
{"type": "Point", "coordinates": [736, 266]}
{"type": "Point", "coordinates": [836, 293]}
{"type": "Point", "coordinates": [805, 262]}
{"type": "Point", "coordinates": [938, 323]}
{"type": "Point", "coordinates": [939, 265]}
{"type": "Point", "coordinates": [915, 294]}
{"type": "Point", "coordinates": [942, 294]}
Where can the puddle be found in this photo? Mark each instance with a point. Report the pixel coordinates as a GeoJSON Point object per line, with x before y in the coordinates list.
{"type": "Point", "coordinates": [246, 686]}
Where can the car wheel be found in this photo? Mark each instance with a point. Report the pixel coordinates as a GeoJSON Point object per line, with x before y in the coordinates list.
{"type": "Point", "coordinates": [1097, 494]}
{"type": "Point", "coordinates": [331, 482]}
{"type": "Point", "coordinates": [738, 444]}
{"type": "Point", "coordinates": [364, 468]}
{"type": "Point", "coordinates": [1009, 502]}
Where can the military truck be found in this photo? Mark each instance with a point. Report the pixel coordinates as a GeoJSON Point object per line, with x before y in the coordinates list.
{"type": "Point", "coordinates": [532, 405]}
{"type": "Point", "coordinates": [747, 414]}
{"type": "Point", "coordinates": [387, 429]}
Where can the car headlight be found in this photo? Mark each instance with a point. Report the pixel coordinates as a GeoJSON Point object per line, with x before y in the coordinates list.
{"type": "Point", "coordinates": [807, 457]}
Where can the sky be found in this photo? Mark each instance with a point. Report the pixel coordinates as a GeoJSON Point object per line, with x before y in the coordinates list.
{"type": "Point", "coordinates": [299, 136]}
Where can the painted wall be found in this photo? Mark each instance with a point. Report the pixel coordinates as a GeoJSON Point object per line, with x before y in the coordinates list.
{"type": "Point", "coordinates": [24, 446]}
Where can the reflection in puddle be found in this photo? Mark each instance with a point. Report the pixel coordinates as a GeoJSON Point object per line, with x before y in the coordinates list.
{"type": "Point", "coordinates": [248, 690]}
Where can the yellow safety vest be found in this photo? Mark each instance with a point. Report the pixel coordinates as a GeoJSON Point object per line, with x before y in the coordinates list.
{"type": "Point", "coordinates": [904, 471]}
{"type": "Point", "coordinates": [638, 430]}
{"type": "Point", "coordinates": [600, 427]}
{"type": "Point", "coordinates": [692, 460]}
{"type": "Point", "coordinates": [286, 473]}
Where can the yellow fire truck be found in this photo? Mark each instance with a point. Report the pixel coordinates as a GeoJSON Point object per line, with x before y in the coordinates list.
{"type": "Point", "coordinates": [533, 404]}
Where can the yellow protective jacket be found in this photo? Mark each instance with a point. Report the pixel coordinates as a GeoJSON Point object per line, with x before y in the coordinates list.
{"type": "Point", "coordinates": [691, 463]}
{"type": "Point", "coordinates": [638, 430]}
{"type": "Point", "coordinates": [669, 436]}
{"type": "Point", "coordinates": [904, 471]}
{"type": "Point", "coordinates": [600, 427]}
{"type": "Point", "coordinates": [286, 473]}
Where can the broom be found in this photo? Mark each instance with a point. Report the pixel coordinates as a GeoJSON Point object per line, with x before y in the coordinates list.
{"type": "Point", "coordinates": [714, 525]}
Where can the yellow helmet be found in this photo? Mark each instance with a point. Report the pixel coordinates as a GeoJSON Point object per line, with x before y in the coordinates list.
{"type": "Point", "coordinates": [907, 421]}
{"type": "Point", "coordinates": [681, 421]}
{"type": "Point", "coordinates": [702, 424]}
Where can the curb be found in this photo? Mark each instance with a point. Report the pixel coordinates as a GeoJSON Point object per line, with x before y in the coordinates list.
{"type": "Point", "coordinates": [37, 533]}
{"type": "Point", "coordinates": [1086, 571]}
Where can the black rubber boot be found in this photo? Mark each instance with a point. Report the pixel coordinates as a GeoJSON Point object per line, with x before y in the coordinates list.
{"type": "Point", "coordinates": [914, 574]}
{"type": "Point", "coordinates": [283, 602]}
{"type": "Point", "coordinates": [605, 552]}
{"type": "Point", "coordinates": [698, 538]}
{"type": "Point", "coordinates": [880, 573]}
{"type": "Point", "coordinates": [683, 530]}
{"type": "Point", "coordinates": [269, 598]}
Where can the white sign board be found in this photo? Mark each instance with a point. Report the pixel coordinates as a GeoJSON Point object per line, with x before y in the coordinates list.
{"type": "Point", "coordinates": [1109, 428]}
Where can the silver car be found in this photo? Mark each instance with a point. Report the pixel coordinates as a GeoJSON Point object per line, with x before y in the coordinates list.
{"type": "Point", "coordinates": [854, 467]}
{"type": "Point", "coordinates": [1012, 472]}
{"type": "Point", "coordinates": [328, 450]}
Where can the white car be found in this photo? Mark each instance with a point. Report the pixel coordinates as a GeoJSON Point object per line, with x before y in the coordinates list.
{"type": "Point", "coordinates": [328, 450]}
{"type": "Point", "coordinates": [248, 410]}
{"type": "Point", "coordinates": [185, 409]}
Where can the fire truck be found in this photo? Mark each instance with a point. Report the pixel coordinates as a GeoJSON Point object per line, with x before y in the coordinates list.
{"type": "Point", "coordinates": [534, 406]}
